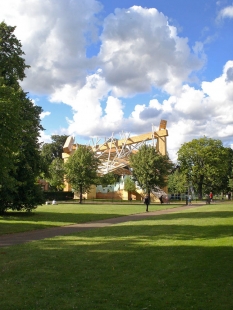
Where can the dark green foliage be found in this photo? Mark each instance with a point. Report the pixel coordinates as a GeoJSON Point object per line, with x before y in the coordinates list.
{"type": "Point", "coordinates": [107, 179]}
{"type": "Point", "coordinates": [20, 126]}
{"type": "Point", "coordinates": [81, 169]}
{"type": "Point", "coordinates": [49, 152]}
{"type": "Point", "coordinates": [56, 174]}
{"type": "Point", "coordinates": [206, 164]}
{"type": "Point", "coordinates": [129, 184]}
{"type": "Point", "coordinates": [150, 168]}
{"type": "Point", "coordinates": [12, 64]}
{"type": "Point", "coordinates": [177, 182]}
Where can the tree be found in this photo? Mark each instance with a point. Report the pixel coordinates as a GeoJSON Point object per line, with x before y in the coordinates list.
{"type": "Point", "coordinates": [177, 182]}
{"type": "Point", "coordinates": [150, 168]}
{"type": "Point", "coordinates": [81, 169]}
{"type": "Point", "coordinates": [9, 133]}
{"type": "Point", "coordinates": [12, 64]}
{"type": "Point", "coordinates": [20, 126]}
{"type": "Point", "coordinates": [56, 173]}
{"type": "Point", "coordinates": [51, 151]}
{"type": "Point", "coordinates": [107, 179]}
{"type": "Point", "coordinates": [129, 185]}
{"type": "Point", "coordinates": [206, 163]}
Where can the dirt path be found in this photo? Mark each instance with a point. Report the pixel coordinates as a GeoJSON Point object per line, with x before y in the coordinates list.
{"type": "Point", "coordinates": [18, 238]}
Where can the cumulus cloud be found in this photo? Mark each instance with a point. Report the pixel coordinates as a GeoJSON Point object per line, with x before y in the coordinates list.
{"type": "Point", "coordinates": [139, 50]}
{"type": "Point", "coordinates": [193, 113]}
{"type": "Point", "coordinates": [229, 74]}
{"type": "Point", "coordinates": [54, 35]}
{"type": "Point", "coordinates": [149, 53]}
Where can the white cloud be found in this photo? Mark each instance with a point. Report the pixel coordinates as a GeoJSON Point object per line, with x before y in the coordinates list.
{"type": "Point", "coordinates": [140, 50]}
{"type": "Point", "coordinates": [227, 12]}
{"type": "Point", "coordinates": [43, 114]}
{"type": "Point", "coordinates": [193, 113]}
{"type": "Point", "coordinates": [114, 113]}
{"type": "Point", "coordinates": [54, 35]}
{"type": "Point", "coordinates": [44, 138]}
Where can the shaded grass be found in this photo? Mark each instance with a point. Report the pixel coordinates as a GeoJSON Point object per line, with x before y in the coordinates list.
{"type": "Point", "coordinates": [175, 261]}
{"type": "Point", "coordinates": [65, 214]}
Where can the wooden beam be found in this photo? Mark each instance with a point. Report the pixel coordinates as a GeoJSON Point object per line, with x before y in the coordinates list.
{"type": "Point", "coordinates": [136, 139]}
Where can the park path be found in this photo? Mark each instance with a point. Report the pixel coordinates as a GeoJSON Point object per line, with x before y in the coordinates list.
{"type": "Point", "coordinates": [18, 238]}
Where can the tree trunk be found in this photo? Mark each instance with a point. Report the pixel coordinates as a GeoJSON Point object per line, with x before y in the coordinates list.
{"type": "Point", "coordinates": [200, 186]}
{"type": "Point", "coordinates": [81, 194]}
{"type": "Point", "coordinates": [148, 193]}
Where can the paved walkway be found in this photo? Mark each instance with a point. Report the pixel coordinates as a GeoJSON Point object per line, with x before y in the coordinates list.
{"type": "Point", "coordinates": [18, 238]}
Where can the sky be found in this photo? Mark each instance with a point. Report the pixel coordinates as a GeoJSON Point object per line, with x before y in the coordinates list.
{"type": "Point", "coordinates": [105, 67]}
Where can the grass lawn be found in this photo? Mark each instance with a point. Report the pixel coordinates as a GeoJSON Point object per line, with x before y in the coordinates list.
{"type": "Point", "coordinates": [65, 214]}
{"type": "Point", "coordinates": [176, 261]}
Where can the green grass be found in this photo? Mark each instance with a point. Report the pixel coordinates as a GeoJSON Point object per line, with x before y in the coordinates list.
{"type": "Point", "coordinates": [65, 214]}
{"type": "Point", "coordinates": [175, 261]}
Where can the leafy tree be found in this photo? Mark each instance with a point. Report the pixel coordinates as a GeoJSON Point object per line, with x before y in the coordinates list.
{"type": "Point", "coordinates": [150, 168]}
{"type": "Point", "coordinates": [12, 64]}
{"type": "Point", "coordinates": [51, 151]}
{"type": "Point", "coordinates": [177, 182]}
{"type": "Point", "coordinates": [230, 180]}
{"type": "Point", "coordinates": [129, 185]}
{"type": "Point", "coordinates": [9, 133]}
{"type": "Point", "coordinates": [57, 172]}
{"type": "Point", "coordinates": [20, 126]}
{"type": "Point", "coordinates": [107, 179]}
{"type": "Point", "coordinates": [206, 163]}
{"type": "Point", "coordinates": [81, 169]}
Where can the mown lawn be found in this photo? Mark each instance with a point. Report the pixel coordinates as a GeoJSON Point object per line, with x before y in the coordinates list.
{"type": "Point", "coordinates": [65, 214]}
{"type": "Point", "coordinates": [175, 261]}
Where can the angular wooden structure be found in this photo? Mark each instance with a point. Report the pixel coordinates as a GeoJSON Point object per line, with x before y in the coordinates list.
{"type": "Point", "coordinates": [114, 153]}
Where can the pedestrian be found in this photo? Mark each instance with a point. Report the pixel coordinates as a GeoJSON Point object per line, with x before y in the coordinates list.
{"type": "Point", "coordinates": [147, 202]}
{"type": "Point", "coordinates": [211, 196]}
{"type": "Point", "coordinates": [190, 199]}
{"type": "Point", "coordinates": [161, 199]}
{"type": "Point", "coordinates": [229, 195]}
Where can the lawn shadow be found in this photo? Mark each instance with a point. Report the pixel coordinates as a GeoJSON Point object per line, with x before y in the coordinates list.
{"type": "Point", "coordinates": [130, 267]}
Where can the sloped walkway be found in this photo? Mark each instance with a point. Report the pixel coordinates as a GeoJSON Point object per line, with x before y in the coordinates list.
{"type": "Point", "coordinates": [18, 238]}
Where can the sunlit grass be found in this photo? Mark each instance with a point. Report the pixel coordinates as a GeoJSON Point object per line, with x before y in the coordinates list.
{"type": "Point", "coordinates": [65, 214]}
{"type": "Point", "coordinates": [175, 261]}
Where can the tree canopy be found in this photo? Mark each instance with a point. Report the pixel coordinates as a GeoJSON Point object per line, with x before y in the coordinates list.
{"type": "Point", "coordinates": [81, 169]}
{"type": "Point", "coordinates": [177, 182]}
{"type": "Point", "coordinates": [129, 184]}
{"type": "Point", "coordinates": [56, 174]}
{"type": "Point", "coordinates": [206, 164]}
{"type": "Point", "coordinates": [50, 152]}
{"type": "Point", "coordinates": [20, 127]}
{"type": "Point", "coordinates": [107, 179]}
{"type": "Point", "coordinates": [150, 168]}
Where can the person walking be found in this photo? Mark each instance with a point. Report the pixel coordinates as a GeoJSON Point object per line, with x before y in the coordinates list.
{"type": "Point", "coordinates": [147, 202]}
{"type": "Point", "coordinates": [161, 199]}
{"type": "Point", "coordinates": [190, 199]}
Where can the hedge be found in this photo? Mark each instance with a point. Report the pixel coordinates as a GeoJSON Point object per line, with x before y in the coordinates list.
{"type": "Point", "coordinates": [58, 196]}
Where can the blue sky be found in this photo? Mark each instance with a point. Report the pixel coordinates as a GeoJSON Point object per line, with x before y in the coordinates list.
{"type": "Point", "coordinates": [103, 67]}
